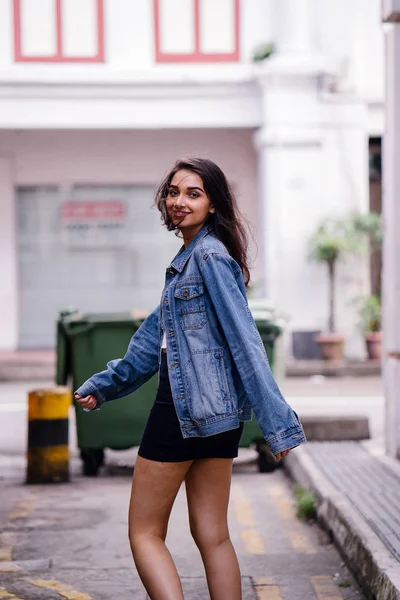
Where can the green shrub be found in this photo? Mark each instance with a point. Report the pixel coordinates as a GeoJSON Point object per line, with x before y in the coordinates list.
{"type": "Point", "coordinates": [370, 313]}
{"type": "Point", "coordinates": [263, 51]}
{"type": "Point", "coordinates": [305, 503]}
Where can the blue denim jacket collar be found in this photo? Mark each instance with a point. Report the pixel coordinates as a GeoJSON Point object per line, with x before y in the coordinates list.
{"type": "Point", "coordinates": [180, 260]}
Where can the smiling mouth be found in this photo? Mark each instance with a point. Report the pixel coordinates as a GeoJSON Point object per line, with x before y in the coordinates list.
{"type": "Point", "coordinates": [180, 214]}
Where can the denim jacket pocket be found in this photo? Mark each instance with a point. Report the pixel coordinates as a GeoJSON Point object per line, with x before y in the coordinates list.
{"type": "Point", "coordinates": [208, 396]}
{"type": "Point", "coordinates": [222, 376]}
{"type": "Point", "coordinates": [189, 297]}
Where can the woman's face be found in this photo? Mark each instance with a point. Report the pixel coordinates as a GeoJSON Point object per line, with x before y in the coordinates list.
{"type": "Point", "coordinates": [187, 203]}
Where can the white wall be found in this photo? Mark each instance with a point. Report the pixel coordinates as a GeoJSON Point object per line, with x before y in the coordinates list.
{"type": "Point", "coordinates": [348, 32]}
{"type": "Point", "coordinates": [391, 246]}
{"type": "Point", "coordinates": [130, 34]}
{"type": "Point", "coordinates": [129, 37]}
{"type": "Point", "coordinates": [258, 26]}
{"type": "Point", "coordinates": [8, 271]}
{"type": "Point", "coordinates": [313, 180]}
{"type": "Point", "coordinates": [134, 157]}
{"type": "Point", "coordinates": [310, 180]}
{"type": "Point", "coordinates": [143, 157]}
{"type": "Point", "coordinates": [351, 33]}
{"type": "Point", "coordinates": [314, 165]}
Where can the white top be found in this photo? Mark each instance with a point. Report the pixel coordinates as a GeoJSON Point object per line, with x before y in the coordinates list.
{"type": "Point", "coordinates": [164, 341]}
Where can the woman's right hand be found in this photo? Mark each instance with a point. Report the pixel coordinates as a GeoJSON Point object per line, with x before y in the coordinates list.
{"type": "Point", "coordinates": [88, 402]}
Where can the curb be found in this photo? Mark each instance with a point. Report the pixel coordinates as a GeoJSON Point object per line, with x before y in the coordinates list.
{"type": "Point", "coordinates": [14, 372]}
{"type": "Point", "coordinates": [343, 368]}
{"type": "Point", "coordinates": [375, 568]}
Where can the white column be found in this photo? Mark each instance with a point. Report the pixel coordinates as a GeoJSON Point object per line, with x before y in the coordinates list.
{"type": "Point", "coordinates": [391, 248]}
{"type": "Point", "coordinates": [288, 145]}
{"type": "Point", "coordinates": [8, 260]}
{"type": "Point", "coordinates": [304, 167]}
{"type": "Point", "coordinates": [295, 30]}
{"type": "Point", "coordinates": [268, 230]}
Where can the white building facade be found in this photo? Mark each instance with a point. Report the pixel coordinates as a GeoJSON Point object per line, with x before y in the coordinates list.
{"type": "Point", "coordinates": [99, 97]}
{"type": "Point", "coordinates": [391, 218]}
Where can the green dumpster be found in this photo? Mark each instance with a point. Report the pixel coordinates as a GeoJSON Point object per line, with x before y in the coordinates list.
{"type": "Point", "coordinates": [252, 433]}
{"type": "Point", "coordinates": [85, 343]}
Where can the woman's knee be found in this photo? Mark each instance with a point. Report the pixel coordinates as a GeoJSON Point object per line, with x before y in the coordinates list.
{"type": "Point", "coordinates": [208, 536]}
{"type": "Point", "coordinates": [139, 538]}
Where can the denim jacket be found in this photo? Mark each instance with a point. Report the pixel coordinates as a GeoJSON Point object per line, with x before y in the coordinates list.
{"type": "Point", "coordinates": [217, 365]}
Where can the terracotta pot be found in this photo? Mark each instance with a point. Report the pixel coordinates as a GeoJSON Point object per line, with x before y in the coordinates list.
{"type": "Point", "coordinates": [373, 342]}
{"type": "Point", "coordinates": [330, 345]}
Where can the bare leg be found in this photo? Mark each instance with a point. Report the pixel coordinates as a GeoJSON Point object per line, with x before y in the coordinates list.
{"type": "Point", "coordinates": [154, 489]}
{"type": "Point", "coordinates": [207, 489]}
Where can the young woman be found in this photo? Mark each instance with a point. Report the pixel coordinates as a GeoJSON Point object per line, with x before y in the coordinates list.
{"type": "Point", "coordinates": [213, 371]}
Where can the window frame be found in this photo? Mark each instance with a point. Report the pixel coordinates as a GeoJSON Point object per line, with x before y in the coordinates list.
{"type": "Point", "coordinates": [58, 57]}
{"type": "Point", "coordinates": [197, 56]}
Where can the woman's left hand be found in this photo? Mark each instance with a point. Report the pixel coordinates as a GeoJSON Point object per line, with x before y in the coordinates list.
{"type": "Point", "coordinates": [89, 402]}
{"type": "Point", "coordinates": [281, 454]}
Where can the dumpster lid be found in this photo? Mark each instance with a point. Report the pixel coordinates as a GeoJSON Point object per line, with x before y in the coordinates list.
{"type": "Point", "coordinates": [109, 317]}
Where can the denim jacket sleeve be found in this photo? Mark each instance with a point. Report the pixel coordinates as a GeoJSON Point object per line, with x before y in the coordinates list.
{"type": "Point", "coordinates": [279, 423]}
{"type": "Point", "coordinates": [125, 375]}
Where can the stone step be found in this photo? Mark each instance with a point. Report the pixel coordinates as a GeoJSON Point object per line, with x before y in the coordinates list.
{"type": "Point", "coordinates": [345, 368]}
{"type": "Point", "coordinates": [336, 428]}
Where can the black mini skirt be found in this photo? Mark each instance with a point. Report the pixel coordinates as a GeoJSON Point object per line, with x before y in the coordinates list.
{"type": "Point", "coordinates": [162, 439]}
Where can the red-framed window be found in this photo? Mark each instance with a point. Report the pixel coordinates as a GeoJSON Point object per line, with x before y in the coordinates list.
{"type": "Point", "coordinates": [59, 31]}
{"type": "Point", "coordinates": [196, 30]}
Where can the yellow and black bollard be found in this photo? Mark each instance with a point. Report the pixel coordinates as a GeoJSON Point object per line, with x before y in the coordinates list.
{"type": "Point", "coordinates": [48, 454]}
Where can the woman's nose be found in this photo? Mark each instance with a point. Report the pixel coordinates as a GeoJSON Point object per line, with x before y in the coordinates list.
{"type": "Point", "coordinates": [179, 201]}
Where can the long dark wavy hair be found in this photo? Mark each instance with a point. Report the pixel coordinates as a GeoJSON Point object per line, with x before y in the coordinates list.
{"type": "Point", "coordinates": [227, 221]}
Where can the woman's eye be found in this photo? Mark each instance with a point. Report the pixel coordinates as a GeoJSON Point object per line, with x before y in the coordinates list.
{"type": "Point", "coordinates": [194, 195]}
{"type": "Point", "coordinates": [172, 193]}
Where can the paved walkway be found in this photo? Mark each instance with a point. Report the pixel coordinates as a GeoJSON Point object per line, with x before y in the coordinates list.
{"type": "Point", "coordinates": [358, 492]}
{"type": "Point", "coordinates": [70, 541]}
{"type": "Point", "coordinates": [371, 486]}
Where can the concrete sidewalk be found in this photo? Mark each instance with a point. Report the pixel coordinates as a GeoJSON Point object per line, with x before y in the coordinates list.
{"type": "Point", "coordinates": [357, 490]}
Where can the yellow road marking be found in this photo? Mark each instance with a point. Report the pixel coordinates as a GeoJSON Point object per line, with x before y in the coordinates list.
{"type": "Point", "coordinates": [265, 590]}
{"type": "Point", "coordinates": [295, 530]}
{"type": "Point", "coordinates": [252, 541]}
{"type": "Point", "coordinates": [7, 595]}
{"type": "Point", "coordinates": [260, 581]}
{"type": "Point", "coordinates": [6, 553]}
{"type": "Point", "coordinates": [243, 512]}
{"type": "Point", "coordinates": [22, 509]}
{"type": "Point", "coordinates": [7, 542]}
{"type": "Point", "coordinates": [325, 588]}
{"type": "Point", "coordinates": [72, 595]}
{"type": "Point", "coordinates": [64, 590]}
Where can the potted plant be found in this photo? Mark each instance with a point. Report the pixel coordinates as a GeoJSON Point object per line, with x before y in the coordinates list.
{"type": "Point", "coordinates": [368, 228]}
{"type": "Point", "coordinates": [370, 322]}
{"type": "Point", "coordinates": [327, 246]}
